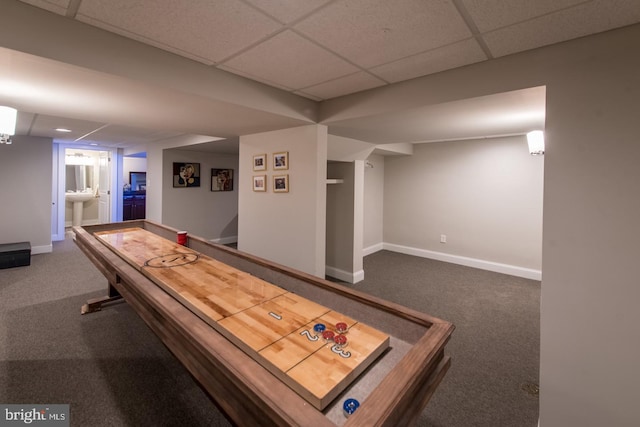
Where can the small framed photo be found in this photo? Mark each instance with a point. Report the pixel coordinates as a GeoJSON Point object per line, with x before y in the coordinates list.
{"type": "Point", "coordinates": [281, 183]}
{"type": "Point", "coordinates": [186, 174]}
{"type": "Point", "coordinates": [260, 183]}
{"type": "Point", "coordinates": [260, 162]}
{"type": "Point", "coordinates": [281, 160]}
{"type": "Point", "coordinates": [221, 179]}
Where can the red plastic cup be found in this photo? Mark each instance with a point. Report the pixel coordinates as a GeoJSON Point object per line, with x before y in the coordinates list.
{"type": "Point", "coordinates": [182, 238]}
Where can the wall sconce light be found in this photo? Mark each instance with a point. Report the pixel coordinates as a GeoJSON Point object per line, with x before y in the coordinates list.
{"type": "Point", "coordinates": [535, 139]}
{"type": "Point", "coordinates": [7, 124]}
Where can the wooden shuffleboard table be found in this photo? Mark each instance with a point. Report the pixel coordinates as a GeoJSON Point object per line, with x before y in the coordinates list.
{"type": "Point", "coordinates": [271, 345]}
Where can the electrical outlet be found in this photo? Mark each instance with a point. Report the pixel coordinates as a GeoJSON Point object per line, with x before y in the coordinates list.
{"type": "Point", "coordinates": [443, 238]}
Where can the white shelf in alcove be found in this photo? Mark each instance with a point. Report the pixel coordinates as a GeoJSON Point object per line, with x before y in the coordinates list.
{"type": "Point", "coordinates": [335, 181]}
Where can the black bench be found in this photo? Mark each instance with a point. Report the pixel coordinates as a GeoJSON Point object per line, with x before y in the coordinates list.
{"type": "Point", "coordinates": [15, 254]}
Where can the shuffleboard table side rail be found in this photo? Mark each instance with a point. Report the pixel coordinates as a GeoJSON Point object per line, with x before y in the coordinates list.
{"type": "Point", "coordinates": [244, 391]}
{"type": "Point", "coordinates": [201, 245]}
{"type": "Point", "coordinates": [406, 390]}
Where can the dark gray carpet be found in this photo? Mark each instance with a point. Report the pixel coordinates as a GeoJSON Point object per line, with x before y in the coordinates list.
{"type": "Point", "coordinates": [113, 371]}
{"type": "Point", "coordinates": [495, 347]}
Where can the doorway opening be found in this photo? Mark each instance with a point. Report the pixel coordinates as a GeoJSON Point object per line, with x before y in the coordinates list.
{"type": "Point", "coordinates": [86, 177]}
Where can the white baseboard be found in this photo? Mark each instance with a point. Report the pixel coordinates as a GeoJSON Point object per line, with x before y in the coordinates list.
{"type": "Point", "coordinates": [372, 249]}
{"type": "Point", "coordinates": [68, 224]}
{"type": "Point", "coordinates": [43, 249]}
{"type": "Point", "coordinates": [512, 270]}
{"type": "Point", "coordinates": [345, 276]}
{"type": "Point", "coordinates": [225, 240]}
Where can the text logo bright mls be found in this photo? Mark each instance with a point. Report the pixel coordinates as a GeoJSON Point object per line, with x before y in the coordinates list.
{"type": "Point", "coordinates": [35, 415]}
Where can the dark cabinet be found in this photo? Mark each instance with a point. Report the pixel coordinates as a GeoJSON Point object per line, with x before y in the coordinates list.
{"type": "Point", "coordinates": [134, 205]}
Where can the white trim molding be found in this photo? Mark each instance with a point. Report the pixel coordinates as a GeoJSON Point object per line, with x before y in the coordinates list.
{"type": "Point", "coordinates": [345, 276]}
{"type": "Point", "coordinates": [225, 240]}
{"type": "Point", "coordinates": [372, 249]}
{"type": "Point", "coordinates": [42, 249]}
{"type": "Point", "coordinates": [512, 270]}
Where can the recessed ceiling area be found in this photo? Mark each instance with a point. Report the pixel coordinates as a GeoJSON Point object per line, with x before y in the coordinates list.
{"type": "Point", "coordinates": [509, 113]}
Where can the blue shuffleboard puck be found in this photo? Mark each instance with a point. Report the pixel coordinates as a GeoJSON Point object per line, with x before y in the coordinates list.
{"type": "Point", "coordinates": [350, 406]}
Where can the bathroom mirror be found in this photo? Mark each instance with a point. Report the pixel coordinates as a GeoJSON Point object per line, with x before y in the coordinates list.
{"type": "Point", "coordinates": [78, 177]}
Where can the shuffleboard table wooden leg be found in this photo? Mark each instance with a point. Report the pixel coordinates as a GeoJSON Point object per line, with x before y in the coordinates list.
{"type": "Point", "coordinates": [95, 304]}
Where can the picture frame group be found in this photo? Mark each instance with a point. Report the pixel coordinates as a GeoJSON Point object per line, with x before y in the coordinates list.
{"type": "Point", "coordinates": [280, 162]}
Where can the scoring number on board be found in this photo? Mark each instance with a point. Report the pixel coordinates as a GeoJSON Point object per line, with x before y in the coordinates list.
{"type": "Point", "coordinates": [338, 350]}
{"type": "Point", "coordinates": [310, 337]}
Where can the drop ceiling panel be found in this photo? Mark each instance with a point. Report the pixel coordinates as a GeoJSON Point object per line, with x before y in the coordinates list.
{"type": "Point", "coordinates": [344, 85]}
{"type": "Point", "coordinates": [288, 11]}
{"type": "Point", "coordinates": [374, 32]}
{"type": "Point", "coordinates": [200, 29]}
{"type": "Point", "coordinates": [493, 14]}
{"type": "Point", "coordinates": [593, 17]}
{"type": "Point", "coordinates": [456, 55]}
{"type": "Point", "coordinates": [290, 60]}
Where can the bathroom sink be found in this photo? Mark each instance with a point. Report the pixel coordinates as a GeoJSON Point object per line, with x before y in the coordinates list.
{"type": "Point", "coordinates": [78, 197]}
{"type": "Point", "coordinates": [78, 200]}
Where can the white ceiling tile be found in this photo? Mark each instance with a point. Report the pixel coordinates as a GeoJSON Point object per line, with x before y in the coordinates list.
{"type": "Point", "coordinates": [202, 29]}
{"type": "Point", "coordinates": [492, 14]}
{"type": "Point", "coordinates": [344, 85]}
{"type": "Point", "coordinates": [374, 32]}
{"type": "Point", "coordinates": [287, 10]}
{"type": "Point", "coordinates": [588, 18]}
{"type": "Point", "coordinates": [456, 55]}
{"type": "Point", "coordinates": [290, 60]}
{"type": "Point", "coordinates": [56, 6]}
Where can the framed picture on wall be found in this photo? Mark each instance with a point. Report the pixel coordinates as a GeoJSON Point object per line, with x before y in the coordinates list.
{"type": "Point", "coordinates": [260, 183]}
{"type": "Point", "coordinates": [281, 160]}
{"type": "Point", "coordinates": [281, 183]}
{"type": "Point", "coordinates": [221, 179]}
{"type": "Point", "coordinates": [260, 162]}
{"type": "Point", "coordinates": [186, 174]}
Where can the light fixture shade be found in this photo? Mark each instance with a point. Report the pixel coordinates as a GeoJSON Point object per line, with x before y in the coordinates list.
{"type": "Point", "coordinates": [535, 139]}
{"type": "Point", "coordinates": [8, 120]}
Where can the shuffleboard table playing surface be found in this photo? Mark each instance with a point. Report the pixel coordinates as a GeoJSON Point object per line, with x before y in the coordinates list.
{"type": "Point", "coordinates": [273, 326]}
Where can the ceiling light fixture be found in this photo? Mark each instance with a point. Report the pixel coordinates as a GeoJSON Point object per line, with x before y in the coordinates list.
{"type": "Point", "coordinates": [63, 130]}
{"type": "Point", "coordinates": [535, 139]}
{"type": "Point", "coordinates": [7, 124]}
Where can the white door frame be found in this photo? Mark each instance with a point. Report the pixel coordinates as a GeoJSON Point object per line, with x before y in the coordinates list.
{"type": "Point", "coordinates": [60, 201]}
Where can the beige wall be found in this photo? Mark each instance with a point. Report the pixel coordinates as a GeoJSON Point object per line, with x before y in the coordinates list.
{"type": "Point", "coordinates": [484, 195]}
{"type": "Point", "coordinates": [373, 204]}
{"type": "Point", "coordinates": [288, 228]}
{"type": "Point", "coordinates": [25, 191]}
{"type": "Point", "coordinates": [340, 221]}
{"type": "Point", "coordinates": [212, 215]}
